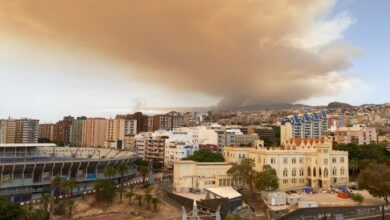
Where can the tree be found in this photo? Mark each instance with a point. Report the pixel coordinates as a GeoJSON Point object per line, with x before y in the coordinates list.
{"type": "Point", "coordinates": [148, 199]}
{"type": "Point", "coordinates": [155, 202]}
{"type": "Point", "coordinates": [121, 190]}
{"type": "Point", "coordinates": [68, 185]}
{"type": "Point", "coordinates": [10, 210]}
{"type": "Point", "coordinates": [57, 184]}
{"type": "Point", "coordinates": [376, 179]}
{"type": "Point", "coordinates": [144, 171]}
{"type": "Point", "coordinates": [236, 217]}
{"type": "Point", "coordinates": [205, 156]}
{"type": "Point", "coordinates": [244, 171]}
{"type": "Point", "coordinates": [47, 200]}
{"type": "Point", "coordinates": [122, 168]}
{"type": "Point", "coordinates": [109, 171]}
{"type": "Point", "coordinates": [129, 196]}
{"type": "Point", "coordinates": [358, 198]}
{"type": "Point", "coordinates": [139, 198]}
{"type": "Point", "coordinates": [70, 205]}
{"type": "Point", "coordinates": [266, 179]}
{"type": "Point", "coordinates": [105, 191]}
{"type": "Point", "coordinates": [353, 167]}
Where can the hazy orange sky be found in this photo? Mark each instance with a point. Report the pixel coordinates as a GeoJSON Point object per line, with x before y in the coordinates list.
{"type": "Point", "coordinates": [106, 57]}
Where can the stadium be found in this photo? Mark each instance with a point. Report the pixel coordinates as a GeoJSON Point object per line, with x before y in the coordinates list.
{"type": "Point", "coordinates": [28, 169]}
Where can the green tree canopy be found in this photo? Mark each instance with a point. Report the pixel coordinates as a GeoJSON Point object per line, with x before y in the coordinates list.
{"type": "Point", "coordinates": [205, 156]}
{"type": "Point", "coordinates": [10, 210]}
{"type": "Point", "coordinates": [244, 171]}
{"type": "Point", "coordinates": [376, 179]}
{"type": "Point", "coordinates": [266, 179]}
{"type": "Point", "coordinates": [105, 191]}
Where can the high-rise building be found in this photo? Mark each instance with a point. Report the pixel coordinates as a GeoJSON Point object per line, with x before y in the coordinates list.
{"type": "Point", "coordinates": [46, 131]}
{"type": "Point", "coordinates": [76, 131]}
{"type": "Point", "coordinates": [117, 129]}
{"type": "Point", "coordinates": [62, 130]}
{"type": "Point", "coordinates": [93, 132]}
{"type": "Point", "coordinates": [308, 125]}
{"type": "Point", "coordinates": [19, 131]}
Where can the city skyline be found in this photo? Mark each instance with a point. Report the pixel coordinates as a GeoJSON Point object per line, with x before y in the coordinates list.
{"type": "Point", "coordinates": [58, 71]}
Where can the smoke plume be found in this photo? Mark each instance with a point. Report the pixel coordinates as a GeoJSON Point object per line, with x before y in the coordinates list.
{"type": "Point", "coordinates": [245, 52]}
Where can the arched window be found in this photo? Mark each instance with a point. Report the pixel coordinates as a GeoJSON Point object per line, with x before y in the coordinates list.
{"type": "Point", "coordinates": [319, 171]}
{"type": "Point", "coordinates": [326, 172]}
{"type": "Point", "coordinates": [334, 172]}
{"type": "Point", "coordinates": [285, 172]}
{"type": "Point", "coordinates": [294, 172]}
{"type": "Point", "coordinates": [308, 171]}
{"type": "Point", "coordinates": [342, 171]}
{"type": "Point", "coordinates": [314, 172]}
{"type": "Point", "coordinates": [301, 172]}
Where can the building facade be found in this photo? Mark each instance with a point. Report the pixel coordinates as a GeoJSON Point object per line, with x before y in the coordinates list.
{"type": "Point", "coordinates": [19, 130]}
{"type": "Point", "coordinates": [46, 131]}
{"type": "Point", "coordinates": [27, 170]}
{"type": "Point", "coordinates": [357, 134]}
{"type": "Point", "coordinates": [299, 162]}
{"type": "Point", "coordinates": [191, 176]}
{"type": "Point", "coordinates": [308, 125]}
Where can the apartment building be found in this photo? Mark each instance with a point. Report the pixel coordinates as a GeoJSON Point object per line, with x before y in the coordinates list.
{"type": "Point", "coordinates": [177, 150]}
{"type": "Point", "coordinates": [117, 129]}
{"type": "Point", "coordinates": [62, 130]}
{"type": "Point", "coordinates": [93, 132]}
{"type": "Point", "coordinates": [299, 162]}
{"type": "Point", "coordinates": [235, 137]}
{"type": "Point", "coordinates": [19, 131]}
{"type": "Point", "coordinates": [76, 131]}
{"type": "Point", "coordinates": [307, 125]}
{"type": "Point", "coordinates": [46, 131]}
{"type": "Point", "coordinates": [357, 134]}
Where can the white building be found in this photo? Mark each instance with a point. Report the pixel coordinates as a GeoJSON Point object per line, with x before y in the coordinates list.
{"type": "Point", "coordinates": [357, 134]}
{"type": "Point", "coordinates": [191, 176]}
{"type": "Point", "coordinates": [299, 163]}
{"type": "Point", "coordinates": [177, 150]}
{"type": "Point", "coordinates": [308, 125]}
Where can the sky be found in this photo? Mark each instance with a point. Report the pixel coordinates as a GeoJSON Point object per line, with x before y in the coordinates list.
{"type": "Point", "coordinates": [82, 58]}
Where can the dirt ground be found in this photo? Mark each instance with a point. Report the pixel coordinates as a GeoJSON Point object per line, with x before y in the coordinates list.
{"type": "Point", "coordinates": [331, 199]}
{"type": "Point", "coordinates": [88, 209]}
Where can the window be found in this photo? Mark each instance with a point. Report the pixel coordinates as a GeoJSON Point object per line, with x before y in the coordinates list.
{"type": "Point", "coordinates": [314, 172]}
{"type": "Point", "coordinates": [342, 171]}
{"type": "Point", "coordinates": [285, 160]}
{"type": "Point", "coordinates": [294, 172]}
{"type": "Point", "coordinates": [334, 160]}
{"type": "Point", "coordinates": [285, 181]}
{"type": "Point", "coordinates": [301, 160]}
{"type": "Point", "coordinates": [325, 161]}
{"type": "Point", "coordinates": [334, 172]}
{"type": "Point", "coordinates": [341, 159]}
{"type": "Point", "coordinates": [285, 172]}
{"type": "Point", "coordinates": [301, 172]}
{"type": "Point", "coordinates": [273, 161]}
{"type": "Point", "coordinates": [294, 160]}
{"type": "Point", "coordinates": [326, 172]}
{"type": "Point", "coordinates": [294, 181]}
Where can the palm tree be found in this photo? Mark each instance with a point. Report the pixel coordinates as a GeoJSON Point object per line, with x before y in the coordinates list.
{"type": "Point", "coordinates": [109, 171]}
{"type": "Point", "coordinates": [121, 190]}
{"type": "Point", "coordinates": [47, 199]}
{"type": "Point", "coordinates": [56, 184]}
{"type": "Point", "coordinates": [148, 188]}
{"type": "Point", "coordinates": [71, 205]}
{"type": "Point", "coordinates": [69, 184]}
{"type": "Point", "coordinates": [144, 172]}
{"type": "Point", "coordinates": [155, 202]}
{"type": "Point", "coordinates": [129, 195]}
{"type": "Point", "coordinates": [139, 198]}
{"type": "Point", "coordinates": [122, 169]}
{"type": "Point", "coordinates": [148, 199]}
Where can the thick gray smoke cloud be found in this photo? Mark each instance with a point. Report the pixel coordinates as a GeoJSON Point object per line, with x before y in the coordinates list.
{"type": "Point", "coordinates": [244, 51]}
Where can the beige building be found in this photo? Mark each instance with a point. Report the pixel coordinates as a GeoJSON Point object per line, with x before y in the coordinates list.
{"type": "Point", "coordinates": [191, 176]}
{"type": "Point", "coordinates": [93, 132]}
{"type": "Point", "coordinates": [299, 163]}
{"type": "Point", "coordinates": [357, 134]}
{"type": "Point", "coordinates": [46, 131]}
{"type": "Point", "coordinates": [117, 129]}
{"type": "Point", "coordinates": [19, 131]}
